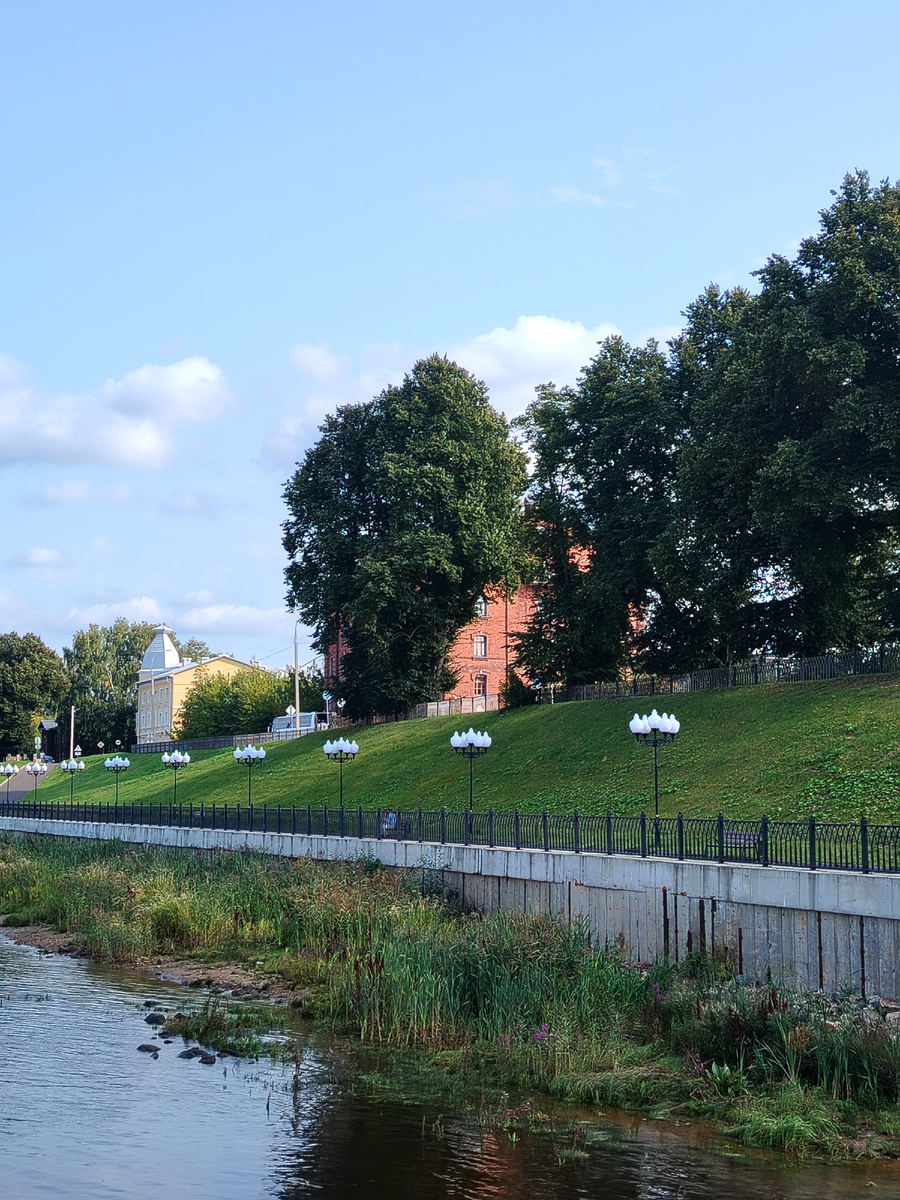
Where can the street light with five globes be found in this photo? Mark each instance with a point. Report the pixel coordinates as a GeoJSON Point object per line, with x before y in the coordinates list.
{"type": "Point", "coordinates": [175, 761]}
{"type": "Point", "coordinates": [72, 768]}
{"type": "Point", "coordinates": [471, 745]}
{"type": "Point", "coordinates": [9, 771]}
{"type": "Point", "coordinates": [37, 771]}
{"type": "Point", "coordinates": [117, 765]}
{"type": "Point", "coordinates": [655, 731]}
{"type": "Point", "coordinates": [341, 751]}
{"type": "Point", "coordinates": [249, 756]}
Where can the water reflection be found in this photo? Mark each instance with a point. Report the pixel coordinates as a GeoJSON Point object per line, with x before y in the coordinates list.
{"type": "Point", "coordinates": [84, 1116]}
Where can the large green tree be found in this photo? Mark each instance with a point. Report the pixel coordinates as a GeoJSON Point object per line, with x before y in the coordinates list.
{"type": "Point", "coordinates": [740, 491]}
{"type": "Point", "coordinates": [103, 663]}
{"type": "Point", "coordinates": [244, 704]}
{"type": "Point", "coordinates": [401, 515]}
{"type": "Point", "coordinates": [33, 680]}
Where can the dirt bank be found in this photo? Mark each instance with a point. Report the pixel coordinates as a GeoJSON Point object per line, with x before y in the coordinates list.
{"type": "Point", "coordinates": [221, 977]}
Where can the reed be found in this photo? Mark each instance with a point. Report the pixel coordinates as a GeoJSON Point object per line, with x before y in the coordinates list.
{"type": "Point", "coordinates": [521, 998]}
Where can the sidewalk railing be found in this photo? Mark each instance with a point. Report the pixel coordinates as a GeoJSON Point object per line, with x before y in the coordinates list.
{"type": "Point", "coordinates": [808, 844]}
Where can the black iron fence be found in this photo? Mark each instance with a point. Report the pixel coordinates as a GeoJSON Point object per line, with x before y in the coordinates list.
{"type": "Point", "coordinates": [808, 844]}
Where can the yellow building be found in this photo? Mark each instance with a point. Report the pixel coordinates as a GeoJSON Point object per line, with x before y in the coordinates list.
{"type": "Point", "coordinates": [164, 681]}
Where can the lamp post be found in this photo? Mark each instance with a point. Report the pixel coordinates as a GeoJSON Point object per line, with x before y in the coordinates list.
{"type": "Point", "coordinates": [471, 745]}
{"type": "Point", "coordinates": [175, 761]}
{"type": "Point", "coordinates": [9, 771]}
{"type": "Point", "coordinates": [117, 765]}
{"type": "Point", "coordinates": [341, 751]}
{"type": "Point", "coordinates": [248, 756]}
{"type": "Point", "coordinates": [37, 771]}
{"type": "Point", "coordinates": [72, 768]}
{"type": "Point", "coordinates": [654, 731]}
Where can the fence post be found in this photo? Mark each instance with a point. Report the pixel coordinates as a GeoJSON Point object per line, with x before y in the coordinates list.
{"type": "Point", "coordinates": [764, 840]}
{"type": "Point", "coordinates": [720, 836]}
{"type": "Point", "coordinates": [517, 829]}
{"type": "Point", "coordinates": [421, 831]}
{"type": "Point", "coordinates": [378, 824]}
{"type": "Point", "coordinates": [864, 843]}
{"type": "Point", "coordinates": [359, 822]}
{"type": "Point", "coordinates": [341, 821]}
{"type": "Point", "coordinates": [679, 833]}
{"type": "Point", "coordinates": [609, 831]}
{"type": "Point", "coordinates": [324, 820]}
{"type": "Point", "coordinates": [491, 827]}
{"type": "Point", "coordinates": [265, 818]}
{"type": "Point", "coordinates": [643, 835]}
{"type": "Point", "coordinates": [576, 831]}
{"type": "Point", "coordinates": [443, 825]}
{"type": "Point", "coordinates": [467, 817]}
{"type": "Point", "coordinates": [812, 843]}
{"type": "Point", "coordinates": [545, 828]}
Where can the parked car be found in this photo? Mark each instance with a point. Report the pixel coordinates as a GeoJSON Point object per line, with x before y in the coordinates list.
{"type": "Point", "coordinates": [306, 722]}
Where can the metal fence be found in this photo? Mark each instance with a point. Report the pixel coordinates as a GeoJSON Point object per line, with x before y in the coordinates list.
{"type": "Point", "coordinates": [219, 743]}
{"type": "Point", "coordinates": [808, 844]}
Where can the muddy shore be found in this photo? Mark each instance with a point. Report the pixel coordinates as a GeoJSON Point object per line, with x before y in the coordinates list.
{"type": "Point", "coordinates": [221, 977]}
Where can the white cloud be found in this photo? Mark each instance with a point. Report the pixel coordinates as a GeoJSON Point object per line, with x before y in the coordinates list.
{"type": "Point", "coordinates": [124, 422]}
{"type": "Point", "coordinates": [563, 194]}
{"type": "Point", "coordinates": [196, 599]}
{"type": "Point", "coordinates": [75, 491]}
{"type": "Point", "coordinates": [512, 362]}
{"type": "Point", "coordinates": [139, 608]}
{"type": "Point", "coordinates": [191, 390]}
{"type": "Point", "coordinates": [610, 171]}
{"type": "Point", "coordinates": [317, 361]}
{"type": "Point", "coordinates": [239, 619]}
{"type": "Point", "coordinates": [40, 558]}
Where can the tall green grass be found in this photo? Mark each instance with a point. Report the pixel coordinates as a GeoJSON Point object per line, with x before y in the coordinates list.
{"type": "Point", "coordinates": [528, 1001]}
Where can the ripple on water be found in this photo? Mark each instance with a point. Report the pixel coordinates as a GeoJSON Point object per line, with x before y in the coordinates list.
{"type": "Point", "coordinates": [84, 1116]}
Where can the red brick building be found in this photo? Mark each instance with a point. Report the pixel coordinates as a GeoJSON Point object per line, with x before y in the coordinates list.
{"type": "Point", "coordinates": [485, 650]}
{"type": "Point", "coordinates": [482, 653]}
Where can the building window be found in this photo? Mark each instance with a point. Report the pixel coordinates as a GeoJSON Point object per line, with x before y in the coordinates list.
{"type": "Point", "coordinates": [481, 685]}
{"type": "Point", "coordinates": [479, 646]}
{"type": "Point", "coordinates": [481, 607]}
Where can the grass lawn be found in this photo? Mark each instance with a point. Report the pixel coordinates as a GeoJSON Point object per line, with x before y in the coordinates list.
{"type": "Point", "coordinates": [786, 750]}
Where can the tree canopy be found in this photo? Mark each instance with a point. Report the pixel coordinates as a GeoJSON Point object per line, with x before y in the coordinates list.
{"type": "Point", "coordinates": [740, 490]}
{"type": "Point", "coordinates": [33, 680]}
{"type": "Point", "coordinates": [401, 515]}
{"type": "Point", "coordinates": [246, 703]}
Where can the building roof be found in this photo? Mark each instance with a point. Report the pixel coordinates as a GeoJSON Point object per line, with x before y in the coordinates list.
{"type": "Point", "coordinates": [161, 654]}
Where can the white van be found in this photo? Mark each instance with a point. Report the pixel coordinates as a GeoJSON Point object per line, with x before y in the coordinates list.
{"type": "Point", "coordinates": [306, 722]}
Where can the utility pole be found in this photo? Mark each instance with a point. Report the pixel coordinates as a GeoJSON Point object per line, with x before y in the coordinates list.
{"type": "Point", "coordinates": [296, 721]}
{"type": "Point", "coordinates": [71, 733]}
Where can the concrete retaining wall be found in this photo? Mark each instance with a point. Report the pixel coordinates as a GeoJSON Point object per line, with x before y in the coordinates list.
{"type": "Point", "coordinates": [809, 929]}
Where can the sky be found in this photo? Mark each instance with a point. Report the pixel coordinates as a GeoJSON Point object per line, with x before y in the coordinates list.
{"type": "Point", "coordinates": [221, 220]}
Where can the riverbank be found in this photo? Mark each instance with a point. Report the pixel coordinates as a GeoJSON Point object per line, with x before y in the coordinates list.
{"type": "Point", "coordinates": [381, 957]}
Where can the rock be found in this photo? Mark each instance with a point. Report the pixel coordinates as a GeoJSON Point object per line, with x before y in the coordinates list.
{"type": "Point", "coordinates": [208, 1060]}
{"type": "Point", "coordinates": [148, 1048]}
{"type": "Point", "coordinates": [225, 1054]}
{"type": "Point", "coordinates": [180, 1016]}
{"type": "Point", "coordinates": [155, 1018]}
{"type": "Point", "coordinates": [893, 1016]}
{"type": "Point", "coordinates": [194, 1052]}
{"type": "Point", "coordinates": [167, 1041]}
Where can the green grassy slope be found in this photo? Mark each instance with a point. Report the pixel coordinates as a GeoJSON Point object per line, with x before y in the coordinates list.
{"type": "Point", "coordinates": [827, 747]}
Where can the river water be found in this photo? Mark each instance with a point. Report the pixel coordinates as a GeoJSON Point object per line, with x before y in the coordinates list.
{"type": "Point", "coordinates": [85, 1116]}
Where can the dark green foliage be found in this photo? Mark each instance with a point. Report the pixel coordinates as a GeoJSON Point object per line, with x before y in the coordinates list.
{"type": "Point", "coordinates": [401, 515]}
{"type": "Point", "coordinates": [33, 679]}
{"type": "Point", "coordinates": [516, 694]}
{"type": "Point", "coordinates": [103, 663]}
{"type": "Point", "coordinates": [742, 492]}
{"type": "Point", "coordinates": [247, 703]}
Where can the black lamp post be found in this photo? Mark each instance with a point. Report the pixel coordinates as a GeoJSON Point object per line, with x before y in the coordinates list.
{"type": "Point", "coordinates": [341, 751]}
{"type": "Point", "coordinates": [37, 771]}
{"type": "Point", "coordinates": [71, 768]}
{"type": "Point", "coordinates": [117, 765]}
{"type": "Point", "coordinates": [9, 771]}
{"type": "Point", "coordinates": [175, 761]}
{"type": "Point", "coordinates": [249, 756]}
{"type": "Point", "coordinates": [654, 731]}
{"type": "Point", "coordinates": [471, 745]}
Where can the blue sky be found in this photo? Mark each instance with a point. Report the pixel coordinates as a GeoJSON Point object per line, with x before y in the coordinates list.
{"type": "Point", "coordinates": [220, 220]}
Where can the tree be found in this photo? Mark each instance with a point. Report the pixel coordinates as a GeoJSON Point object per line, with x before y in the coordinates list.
{"type": "Point", "coordinates": [246, 703]}
{"type": "Point", "coordinates": [193, 649]}
{"type": "Point", "coordinates": [33, 679]}
{"type": "Point", "coordinates": [401, 515]}
{"type": "Point", "coordinates": [103, 664]}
